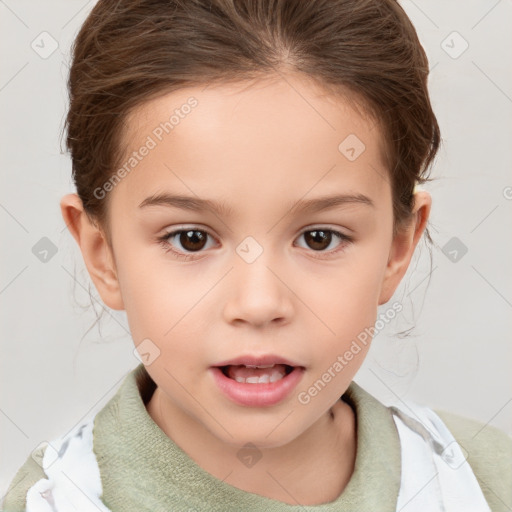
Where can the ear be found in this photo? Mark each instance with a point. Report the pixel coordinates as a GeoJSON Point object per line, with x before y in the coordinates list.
{"type": "Point", "coordinates": [404, 244]}
{"type": "Point", "coordinates": [97, 254]}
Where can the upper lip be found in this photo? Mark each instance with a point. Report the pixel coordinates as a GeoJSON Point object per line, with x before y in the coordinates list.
{"type": "Point", "coordinates": [260, 360]}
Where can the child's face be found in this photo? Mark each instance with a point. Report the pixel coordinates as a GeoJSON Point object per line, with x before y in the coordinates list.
{"type": "Point", "coordinates": [256, 284]}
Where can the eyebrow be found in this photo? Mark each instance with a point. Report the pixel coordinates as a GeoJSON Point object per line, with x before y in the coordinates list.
{"type": "Point", "coordinates": [222, 209]}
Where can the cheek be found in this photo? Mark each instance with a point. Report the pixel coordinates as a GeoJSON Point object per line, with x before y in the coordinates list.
{"type": "Point", "coordinates": [168, 311]}
{"type": "Point", "coordinates": [156, 292]}
{"type": "Point", "coordinates": [162, 313]}
{"type": "Point", "coordinates": [348, 296]}
{"type": "Point", "coordinates": [347, 305]}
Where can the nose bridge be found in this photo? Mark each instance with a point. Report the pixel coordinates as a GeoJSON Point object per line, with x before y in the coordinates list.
{"type": "Point", "coordinates": [259, 295]}
{"type": "Point", "coordinates": [254, 263]}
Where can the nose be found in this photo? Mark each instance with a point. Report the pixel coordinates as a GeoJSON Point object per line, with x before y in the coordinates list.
{"type": "Point", "coordinates": [258, 294]}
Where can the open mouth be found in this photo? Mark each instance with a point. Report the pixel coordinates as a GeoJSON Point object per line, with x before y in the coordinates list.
{"type": "Point", "coordinates": [260, 385]}
{"type": "Point", "coordinates": [263, 374]}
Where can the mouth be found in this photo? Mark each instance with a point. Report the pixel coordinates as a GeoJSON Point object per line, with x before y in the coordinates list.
{"type": "Point", "coordinates": [256, 374]}
{"type": "Point", "coordinates": [257, 385]}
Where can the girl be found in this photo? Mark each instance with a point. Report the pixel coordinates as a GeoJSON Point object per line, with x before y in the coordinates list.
{"type": "Point", "coordinates": [245, 175]}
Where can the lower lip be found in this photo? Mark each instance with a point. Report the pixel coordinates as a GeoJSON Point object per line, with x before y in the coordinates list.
{"type": "Point", "coordinates": [257, 395]}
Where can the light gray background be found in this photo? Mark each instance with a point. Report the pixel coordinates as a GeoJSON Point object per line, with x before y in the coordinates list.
{"type": "Point", "coordinates": [459, 355]}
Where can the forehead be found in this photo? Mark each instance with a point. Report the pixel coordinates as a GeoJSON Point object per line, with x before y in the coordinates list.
{"type": "Point", "coordinates": [273, 137]}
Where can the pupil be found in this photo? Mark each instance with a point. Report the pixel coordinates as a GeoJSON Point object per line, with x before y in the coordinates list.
{"type": "Point", "coordinates": [317, 238]}
{"type": "Point", "coordinates": [192, 240]}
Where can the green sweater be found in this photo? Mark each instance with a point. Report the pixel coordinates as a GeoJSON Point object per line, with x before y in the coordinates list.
{"type": "Point", "coordinates": [144, 470]}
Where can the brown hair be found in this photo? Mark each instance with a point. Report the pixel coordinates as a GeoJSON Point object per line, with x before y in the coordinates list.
{"type": "Point", "coordinates": [130, 51]}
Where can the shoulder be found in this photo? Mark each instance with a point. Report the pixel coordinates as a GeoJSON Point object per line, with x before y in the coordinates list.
{"type": "Point", "coordinates": [488, 451]}
{"type": "Point", "coordinates": [27, 475]}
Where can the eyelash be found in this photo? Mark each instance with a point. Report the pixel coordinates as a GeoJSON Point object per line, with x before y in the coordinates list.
{"type": "Point", "coordinates": [164, 241]}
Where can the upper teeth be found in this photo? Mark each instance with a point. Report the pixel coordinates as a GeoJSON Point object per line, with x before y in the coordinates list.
{"type": "Point", "coordinates": [261, 366]}
{"type": "Point", "coordinates": [262, 379]}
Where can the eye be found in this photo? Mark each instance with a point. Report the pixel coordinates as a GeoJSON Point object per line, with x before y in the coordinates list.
{"type": "Point", "coordinates": [194, 240]}
{"type": "Point", "coordinates": [319, 239]}
{"type": "Point", "coordinates": [191, 240]}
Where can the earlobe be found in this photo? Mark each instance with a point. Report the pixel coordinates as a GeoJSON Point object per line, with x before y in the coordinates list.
{"type": "Point", "coordinates": [403, 246]}
{"type": "Point", "coordinates": [95, 250]}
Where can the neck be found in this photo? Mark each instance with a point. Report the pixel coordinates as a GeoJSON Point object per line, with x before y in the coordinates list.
{"type": "Point", "coordinates": [312, 469]}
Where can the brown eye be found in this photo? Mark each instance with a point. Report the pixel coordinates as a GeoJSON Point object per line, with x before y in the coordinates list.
{"type": "Point", "coordinates": [192, 240]}
{"type": "Point", "coordinates": [183, 243]}
{"type": "Point", "coordinates": [318, 239]}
